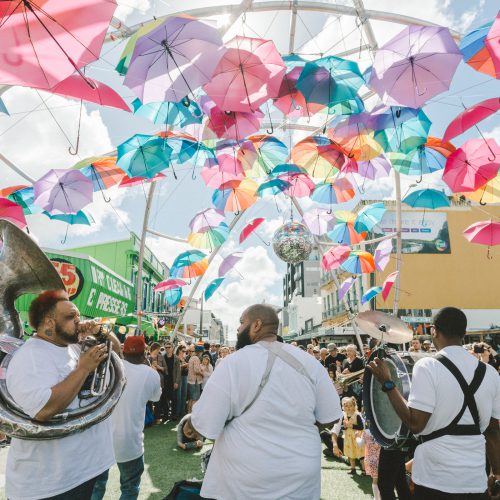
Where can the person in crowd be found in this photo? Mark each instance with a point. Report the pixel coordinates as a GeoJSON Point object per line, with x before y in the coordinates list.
{"type": "Point", "coordinates": [334, 359]}
{"type": "Point", "coordinates": [310, 349]}
{"type": "Point", "coordinates": [426, 346]}
{"type": "Point", "coordinates": [261, 405]}
{"type": "Point", "coordinates": [194, 379]}
{"type": "Point", "coordinates": [323, 354]}
{"type": "Point", "coordinates": [352, 426]}
{"type": "Point", "coordinates": [143, 385]}
{"type": "Point", "coordinates": [214, 353]}
{"type": "Point", "coordinates": [180, 352]}
{"type": "Point", "coordinates": [366, 351]}
{"type": "Point", "coordinates": [454, 406]}
{"type": "Point", "coordinates": [294, 343]}
{"type": "Point", "coordinates": [353, 364]}
{"type": "Point", "coordinates": [392, 474]}
{"type": "Point", "coordinates": [187, 437]}
{"type": "Point", "coordinates": [206, 368]}
{"type": "Point", "coordinates": [172, 379]}
{"type": "Point", "coordinates": [372, 453]}
{"type": "Point", "coordinates": [206, 350]}
{"type": "Point", "coordinates": [44, 379]}
{"type": "Point", "coordinates": [158, 363]}
{"type": "Point", "coordinates": [223, 352]}
{"type": "Point", "coordinates": [416, 346]}
{"type": "Point", "coordinates": [317, 353]}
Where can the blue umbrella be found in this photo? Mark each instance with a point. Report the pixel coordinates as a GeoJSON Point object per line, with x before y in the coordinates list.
{"type": "Point", "coordinates": [3, 108]}
{"type": "Point", "coordinates": [286, 168]}
{"type": "Point", "coordinates": [173, 296]}
{"type": "Point", "coordinates": [420, 161]}
{"type": "Point", "coordinates": [25, 197]}
{"type": "Point", "coordinates": [370, 294]}
{"type": "Point", "coordinates": [427, 198]}
{"type": "Point", "coordinates": [212, 288]}
{"type": "Point", "coordinates": [143, 155]}
{"type": "Point", "coordinates": [79, 218]}
{"type": "Point", "coordinates": [369, 216]}
{"type": "Point", "coordinates": [273, 186]}
{"type": "Point", "coordinates": [473, 41]}
{"type": "Point", "coordinates": [177, 114]}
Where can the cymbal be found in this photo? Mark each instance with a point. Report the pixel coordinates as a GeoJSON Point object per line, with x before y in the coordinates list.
{"type": "Point", "coordinates": [383, 327]}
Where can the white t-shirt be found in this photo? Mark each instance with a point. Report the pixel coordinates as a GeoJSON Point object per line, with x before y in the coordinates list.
{"type": "Point", "coordinates": [143, 385]}
{"type": "Point", "coordinates": [273, 450]}
{"type": "Point", "coordinates": [39, 469]}
{"type": "Point", "coordinates": [453, 464]}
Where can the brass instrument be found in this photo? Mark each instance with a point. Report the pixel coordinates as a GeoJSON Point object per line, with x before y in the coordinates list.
{"type": "Point", "coordinates": [345, 380]}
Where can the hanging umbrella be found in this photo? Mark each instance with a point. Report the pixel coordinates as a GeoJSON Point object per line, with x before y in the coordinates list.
{"type": "Point", "coordinates": [273, 187]}
{"type": "Point", "coordinates": [173, 296]}
{"type": "Point", "coordinates": [301, 186]}
{"type": "Point", "coordinates": [472, 165]}
{"type": "Point", "coordinates": [489, 193]}
{"type": "Point", "coordinates": [344, 232]}
{"type": "Point", "coordinates": [135, 181]}
{"type": "Point", "coordinates": [25, 198]}
{"type": "Point", "coordinates": [249, 73]}
{"type": "Point", "coordinates": [62, 191]}
{"type": "Point", "coordinates": [475, 53]}
{"type": "Point", "coordinates": [3, 108]}
{"type": "Point", "coordinates": [369, 217]}
{"type": "Point", "coordinates": [206, 219]}
{"type": "Point", "coordinates": [169, 284]}
{"type": "Point", "coordinates": [89, 90]}
{"type": "Point", "coordinates": [212, 287]}
{"type": "Point", "coordinates": [102, 171]}
{"type": "Point", "coordinates": [189, 264]}
{"type": "Point", "coordinates": [346, 286]}
{"type": "Point", "coordinates": [11, 189]}
{"type": "Point", "coordinates": [44, 42]}
{"type": "Point", "coordinates": [318, 221]}
{"type": "Point", "coordinates": [235, 196]}
{"type": "Point", "coordinates": [286, 168]}
{"type": "Point", "coordinates": [388, 284]}
{"type": "Point", "coordinates": [173, 60]}
{"type": "Point", "coordinates": [177, 114]}
{"type": "Point", "coordinates": [259, 154]}
{"type": "Point", "coordinates": [382, 254]}
{"type": "Point", "coordinates": [427, 198]}
{"type": "Point", "coordinates": [470, 117]}
{"type": "Point", "coordinates": [339, 190]}
{"type": "Point", "coordinates": [250, 228]}
{"type": "Point", "coordinates": [330, 80]}
{"type": "Point", "coordinates": [210, 238]}
{"type": "Point", "coordinates": [492, 44]}
{"type": "Point", "coordinates": [359, 262]}
{"type": "Point", "coordinates": [334, 257]}
{"type": "Point", "coordinates": [377, 167]}
{"type": "Point", "coordinates": [415, 65]}
{"type": "Point", "coordinates": [229, 262]}
{"type": "Point", "coordinates": [143, 155]}
{"type": "Point", "coordinates": [79, 218]}
{"type": "Point", "coordinates": [217, 175]}
{"type": "Point", "coordinates": [318, 156]}
{"type": "Point", "coordinates": [485, 232]}
{"type": "Point", "coordinates": [12, 212]}
{"type": "Point", "coordinates": [370, 294]}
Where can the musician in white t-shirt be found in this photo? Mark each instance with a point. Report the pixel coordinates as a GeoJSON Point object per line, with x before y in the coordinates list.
{"type": "Point", "coordinates": [267, 444]}
{"type": "Point", "coordinates": [453, 408]}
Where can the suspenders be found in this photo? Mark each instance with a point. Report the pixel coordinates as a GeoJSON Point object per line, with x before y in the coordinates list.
{"type": "Point", "coordinates": [454, 428]}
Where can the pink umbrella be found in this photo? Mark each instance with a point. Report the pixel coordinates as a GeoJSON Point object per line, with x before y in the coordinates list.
{"type": "Point", "coordinates": [388, 283]}
{"type": "Point", "coordinates": [335, 257]}
{"type": "Point", "coordinates": [249, 73]}
{"type": "Point", "coordinates": [62, 191]}
{"type": "Point", "coordinates": [89, 90]}
{"type": "Point", "coordinates": [44, 42]}
{"type": "Point", "coordinates": [301, 185]}
{"type": "Point", "coordinates": [250, 228]}
{"type": "Point", "coordinates": [382, 254]}
{"type": "Point", "coordinates": [471, 117]}
{"type": "Point", "coordinates": [12, 212]}
{"type": "Point", "coordinates": [472, 165]}
{"type": "Point", "coordinates": [229, 262]}
{"type": "Point", "coordinates": [135, 181]}
{"type": "Point", "coordinates": [216, 176]}
{"type": "Point", "coordinates": [485, 232]}
{"type": "Point", "coordinates": [169, 284]}
{"type": "Point", "coordinates": [492, 44]}
{"type": "Point", "coordinates": [345, 287]}
{"type": "Point", "coordinates": [319, 221]}
{"type": "Point", "coordinates": [206, 219]}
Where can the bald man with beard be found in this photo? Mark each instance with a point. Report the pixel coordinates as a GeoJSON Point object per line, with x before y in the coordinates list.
{"type": "Point", "coordinates": [263, 406]}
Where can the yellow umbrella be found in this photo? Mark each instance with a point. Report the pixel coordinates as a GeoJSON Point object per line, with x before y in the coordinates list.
{"type": "Point", "coordinates": [489, 193]}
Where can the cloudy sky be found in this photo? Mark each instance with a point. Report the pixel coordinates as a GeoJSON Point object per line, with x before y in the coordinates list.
{"type": "Point", "coordinates": [41, 127]}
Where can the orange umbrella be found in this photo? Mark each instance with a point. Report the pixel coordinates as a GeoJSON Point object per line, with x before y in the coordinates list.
{"type": "Point", "coordinates": [318, 156]}
{"type": "Point", "coordinates": [235, 196]}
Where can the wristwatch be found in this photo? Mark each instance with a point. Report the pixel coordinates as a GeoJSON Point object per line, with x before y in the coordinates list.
{"type": "Point", "coordinates": [388, 385]}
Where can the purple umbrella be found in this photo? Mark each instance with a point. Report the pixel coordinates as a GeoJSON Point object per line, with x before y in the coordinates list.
{"type": "Point", "coordinates": [173, 60]}
{"type": "Point", "coordinates": [415, 65]}
{"type": "Point", "coordinates": [62, 191]}
{"type": "Point", "coordinates": [229, 262]}
{"type": "Point", "coordinates": [345, 287]}
{"type": "Point", "coordinates": [382, 254]}
{"type": "Point", "coordinates": [319, 221]}
{"type": "Point", "coordinates": [206, 219]}
{"type": "Point", "coordinates": [377, 167]}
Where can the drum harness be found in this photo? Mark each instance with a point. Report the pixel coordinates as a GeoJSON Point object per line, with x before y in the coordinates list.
{"type": "Point", "coordinates": [454, 428]}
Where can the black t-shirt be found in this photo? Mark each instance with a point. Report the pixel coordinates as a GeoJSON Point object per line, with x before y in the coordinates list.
{"type": "Point", "coordinates": [170, 367]}
{"type": "Point", "coordinates": [354, 366]}
{"type": "Point", "coordinates": [331, 361]}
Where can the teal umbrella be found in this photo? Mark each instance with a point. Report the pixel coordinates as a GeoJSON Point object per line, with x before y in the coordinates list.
{"type": "Point", "coordinates": [273, 186]}
{"type": "Point", "coordinates": [173, 296]}
{"type": "Point", "coordinates": [3, 108]}
{"type": "Point", "coordinates": [212, 288]}
{"type": "Point", "coordinates": [25, 198]}
{"type": "Point", "coordinates": [79, 217]}
{"type": "Point", "coordinates": [369, 217]}
{"type": "Point", "coordinates": [177, 114]}
{"type": "Point", "coordinates": [427, 198]}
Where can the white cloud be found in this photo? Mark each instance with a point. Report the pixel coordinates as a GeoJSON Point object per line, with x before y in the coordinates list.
{"type": "Point", "coordinates": [129, 7]}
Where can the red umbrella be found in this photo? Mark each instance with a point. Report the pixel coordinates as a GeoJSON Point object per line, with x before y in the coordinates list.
{"type": "Point", "coordinates": [45, 41]}
{"type": "Point", "coordinates": [12, 212]}
{"type": "Point", "coordinates": [135, 181]}
{"type": "Point", "coordinates": [249, 73]}
{"type": "Point", "coordinates": [485, 232]}
{"type": "Point", "coordinates": [250, 228]}
{"type": "Point", "coordinates": [169, 284]}
{"type": "Point", "coordinates": [89, 90]}
{"type": "Point", "coordinates": [472, 166]}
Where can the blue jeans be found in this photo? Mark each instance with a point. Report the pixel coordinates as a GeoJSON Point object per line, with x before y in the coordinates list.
{"type": "Point", "coordinates": [80, 492]}
{"type": "Point", "coordinates": [181, 397]}
{"type": "Point", "coordinates": [130, 480]}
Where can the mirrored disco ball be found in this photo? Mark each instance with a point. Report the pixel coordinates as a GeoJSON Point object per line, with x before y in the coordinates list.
{"type": "Point", "coordinates": [293, 242]}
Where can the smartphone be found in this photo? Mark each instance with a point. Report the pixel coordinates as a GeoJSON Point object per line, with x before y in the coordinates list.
{"type": "Point", "coordinates": [478, 349]}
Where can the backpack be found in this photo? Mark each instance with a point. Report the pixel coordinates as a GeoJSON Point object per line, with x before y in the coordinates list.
{"type": "Point", "coordinates": [185, 490]}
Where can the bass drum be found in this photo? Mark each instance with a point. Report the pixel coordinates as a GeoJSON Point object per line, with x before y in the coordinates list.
{"type": "Point", "coordinates": [384, 423]}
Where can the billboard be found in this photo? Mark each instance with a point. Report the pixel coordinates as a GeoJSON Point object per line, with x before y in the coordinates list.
{"type": "Point", "coordinates": [421, 232]}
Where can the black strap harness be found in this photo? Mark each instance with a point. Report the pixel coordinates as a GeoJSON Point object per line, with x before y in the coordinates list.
{"type": "Point", "coordinates": [454, 428]}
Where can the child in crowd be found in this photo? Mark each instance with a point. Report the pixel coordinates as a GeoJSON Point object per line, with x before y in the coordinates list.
{"type": "Point", "coordinates": [372, 453]}
{"type": "Point", "coordinates": [352, 424]}
{"type": "Point", "coordinates": [186, 438]}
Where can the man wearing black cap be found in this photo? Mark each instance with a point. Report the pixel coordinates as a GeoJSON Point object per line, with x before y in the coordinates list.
{"type": "Point", "coordinates": [334, 360]}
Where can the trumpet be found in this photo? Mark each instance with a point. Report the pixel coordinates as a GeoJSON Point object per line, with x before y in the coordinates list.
{"type": "Point", "coordinates": [348, 379]}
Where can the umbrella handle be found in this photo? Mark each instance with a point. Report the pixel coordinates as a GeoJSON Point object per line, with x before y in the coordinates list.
{"type": "Point", "coordinates": [65, 236]}
{"type": "Point", "coordinates": [481, 202]}
{"type": "Point", "coordinates": [186, 101]}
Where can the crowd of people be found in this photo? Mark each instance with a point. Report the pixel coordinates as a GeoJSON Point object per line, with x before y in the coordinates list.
{"type": "Point", "coordinates": [267, 406]}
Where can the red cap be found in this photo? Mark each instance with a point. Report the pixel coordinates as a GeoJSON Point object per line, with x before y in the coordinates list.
{"type": "Point", "coordinates": [134, 345]}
